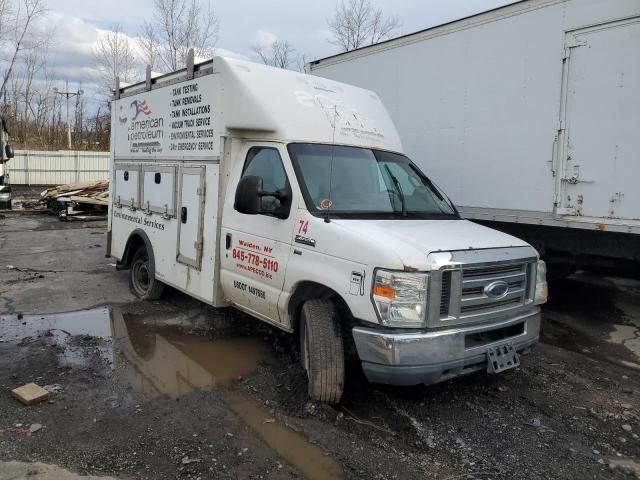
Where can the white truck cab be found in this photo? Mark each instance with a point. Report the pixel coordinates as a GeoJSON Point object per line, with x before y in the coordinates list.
{"type": "Point", "coordinates": [288, 197]}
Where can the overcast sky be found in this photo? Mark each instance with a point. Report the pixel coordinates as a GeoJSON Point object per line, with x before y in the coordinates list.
{"type": "Point", "coordinates": [243, 23]}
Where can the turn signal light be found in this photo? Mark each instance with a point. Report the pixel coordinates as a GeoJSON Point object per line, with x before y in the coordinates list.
{"type": "Point", "coordinates": [384, 291]}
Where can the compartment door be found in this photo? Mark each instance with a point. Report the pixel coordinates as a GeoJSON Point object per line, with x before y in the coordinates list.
{"type": "Point", "coordinates": [599, 166]}
{"type": "Point", "coordinates": [190, 216]}
{"type": "Point", "coordinates": [158, 189]}
{"type": "Point", "coordinates": [127, 185]}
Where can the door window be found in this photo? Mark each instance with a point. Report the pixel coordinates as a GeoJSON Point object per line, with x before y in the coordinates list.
{"type": "Point", "coordinates": [266, 163]}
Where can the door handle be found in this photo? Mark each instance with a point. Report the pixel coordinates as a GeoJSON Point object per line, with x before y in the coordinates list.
{"type": "Point", "coordinates": [228, 241]}
{"type": "Point", "coordinates": [183, 214]}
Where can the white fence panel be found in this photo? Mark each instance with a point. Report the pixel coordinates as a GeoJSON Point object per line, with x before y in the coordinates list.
{"type": "Point", "coordinates": [33, 167]}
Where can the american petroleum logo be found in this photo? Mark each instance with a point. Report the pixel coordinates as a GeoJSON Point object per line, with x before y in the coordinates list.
{"type": "Point", "coordinates": [136, 108]}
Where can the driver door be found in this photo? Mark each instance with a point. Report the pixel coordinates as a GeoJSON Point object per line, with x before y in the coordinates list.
{"type": "Point", "coordinates": [255, 249]}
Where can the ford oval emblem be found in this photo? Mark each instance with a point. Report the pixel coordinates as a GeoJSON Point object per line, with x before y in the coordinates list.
{"type": "Point", "coordinates": [496, 289]}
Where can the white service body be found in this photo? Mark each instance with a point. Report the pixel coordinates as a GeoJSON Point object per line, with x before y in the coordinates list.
{"type": "Point", "coordinates": [528, 114]}
{"type": "Point", "coordinates": [180, 145]}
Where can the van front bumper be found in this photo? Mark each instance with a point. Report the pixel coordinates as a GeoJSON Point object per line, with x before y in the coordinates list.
{"type": "Point", "coordinates": [411, 358]}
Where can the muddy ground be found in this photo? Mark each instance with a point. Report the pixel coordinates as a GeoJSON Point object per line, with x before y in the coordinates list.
{"type": "Point", "coordinates": [175, 389]}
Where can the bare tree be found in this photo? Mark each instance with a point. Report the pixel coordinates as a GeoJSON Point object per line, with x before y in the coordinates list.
{"type": "Point", "coordinates": [302, 63]}
{"type": "Point", "coordinates": [357, 23]}
{"type": "Point", "coordinates": [175, 27]}
{"type": "Point", "coordinates": [114, 56]}
{"type": "Point", "coordinates": [148, 45]}
{"type": "Point", "coordinates": [17, 32]}
{"type": "Point", "coordinates": [34, 64]}
{"type": "Point", "coordinates": [281, 54]}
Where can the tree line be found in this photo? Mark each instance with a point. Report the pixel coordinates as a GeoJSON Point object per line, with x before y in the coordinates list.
{"type": "Point", "coordinates": [35, 108]}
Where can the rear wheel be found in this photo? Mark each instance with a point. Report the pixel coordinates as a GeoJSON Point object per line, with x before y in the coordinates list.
{"type": "Point", "coordinates": [322, 350]}
{"type": "Point", "coordinates": [142, 281]}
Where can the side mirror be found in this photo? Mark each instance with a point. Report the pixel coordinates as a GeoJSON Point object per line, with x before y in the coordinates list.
{"type": "Point", "coordinates": [8, 150]}
{"type": "Point", "coordinates": [249, 195]}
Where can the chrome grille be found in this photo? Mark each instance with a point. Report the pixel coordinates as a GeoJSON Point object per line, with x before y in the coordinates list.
{"type": "Point", "coordinates": [473, 272]}
{"type": "Point", "coordinates": [484, 307]}
{"type": "Point", "coordinates": [460, 295]}
{"type": "Point", "coordinates": [445, 295]}
{"type": "Point", "coordinates": [473, 299]}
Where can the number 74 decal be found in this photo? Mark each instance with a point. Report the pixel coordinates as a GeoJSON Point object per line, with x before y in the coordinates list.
{"type": "Point", "coordinates": [301, 237]}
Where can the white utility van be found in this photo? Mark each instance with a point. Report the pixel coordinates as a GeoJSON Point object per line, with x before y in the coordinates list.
{"type": "Point", "coordinates": [288, 197]}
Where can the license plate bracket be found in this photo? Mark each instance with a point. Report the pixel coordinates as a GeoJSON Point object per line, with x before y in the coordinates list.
{"type": "Point", "coordinates": [502, 357]}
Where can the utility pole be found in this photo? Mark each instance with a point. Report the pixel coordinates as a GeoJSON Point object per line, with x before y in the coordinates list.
{"type": "Point", "coordinates": [68, 94]}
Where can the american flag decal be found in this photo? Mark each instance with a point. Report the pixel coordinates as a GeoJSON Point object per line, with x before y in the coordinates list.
{"type": "Point", "coordinates": [138, 107]}
{"type": "Point", "coordinates": [143, 107]}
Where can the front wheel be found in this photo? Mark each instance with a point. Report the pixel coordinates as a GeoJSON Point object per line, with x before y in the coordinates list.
{"type": "Point", "coordinates": [142, 281]}
{"type": "Point", "coordinates": [322, 350]}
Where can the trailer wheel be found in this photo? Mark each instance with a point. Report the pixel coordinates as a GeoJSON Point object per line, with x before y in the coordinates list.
{"type": "Point", "coordinates": [142, 281]}
{"type": "Point", "coordinates": [322, 350]}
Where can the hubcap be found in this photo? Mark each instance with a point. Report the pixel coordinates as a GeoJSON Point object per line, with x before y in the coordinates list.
{"type": "Point", "coordinates": [141, 276]}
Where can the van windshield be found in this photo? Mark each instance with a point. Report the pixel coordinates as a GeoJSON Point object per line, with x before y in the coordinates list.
{"type": "Point", "coordinates": [355, 182]}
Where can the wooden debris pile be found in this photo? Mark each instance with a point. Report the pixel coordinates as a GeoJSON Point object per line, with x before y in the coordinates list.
{"type": "Point", "coordinates": [82, 201]}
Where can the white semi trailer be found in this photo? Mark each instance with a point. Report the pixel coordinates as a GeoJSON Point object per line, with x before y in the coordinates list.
{"type": "Point", "coordinates": [288, 197]}
{"type": "Point", "coordinates": [527, 115]}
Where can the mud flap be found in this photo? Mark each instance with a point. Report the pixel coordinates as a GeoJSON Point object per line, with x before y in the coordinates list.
{"type": "Point", "coordinates": [502, 357]}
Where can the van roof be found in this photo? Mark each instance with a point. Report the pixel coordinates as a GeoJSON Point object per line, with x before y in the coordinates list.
{"type": "Point", "coordinates": [284, 104]}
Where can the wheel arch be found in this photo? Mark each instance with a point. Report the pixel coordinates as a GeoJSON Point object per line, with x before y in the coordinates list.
{"type": "Point", "coordinates": [308, 290]}
{"type": "Point", "coordinates": [138, 238]}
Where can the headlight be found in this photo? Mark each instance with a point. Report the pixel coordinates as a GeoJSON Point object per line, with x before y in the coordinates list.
{"type": "Point", "coordinates": [400, 298]}
{"type": "Point", "coordinates": [542, 289]}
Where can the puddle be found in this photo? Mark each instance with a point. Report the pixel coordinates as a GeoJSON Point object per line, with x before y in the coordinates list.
{"type": "Point", "coordinates": [155, 359]}
{"type": "Point", "coordinates": [168, 362]}
{"type": "Point", "coordinates": [40, 471]}
{"type": "Point", "coordinates": [75, 331]}
{"type": "Point", "coordinates": [176, 364]}
{"type": "Point", "coordinates": [94, 322]}
{"type": "Point", "coordinates": [613, 348]}
{"type": "Point", "coordinates": [595, 316]}
{"type": "Point", "coordinates": [628, 336]}
{"type": "Point", "coordinates": [289, 444]}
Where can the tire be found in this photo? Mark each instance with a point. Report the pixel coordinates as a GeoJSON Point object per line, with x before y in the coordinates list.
{"type": "Point", "coordinates": [322, 350]}
{"type": "Point", "coordinates": [142, 281]}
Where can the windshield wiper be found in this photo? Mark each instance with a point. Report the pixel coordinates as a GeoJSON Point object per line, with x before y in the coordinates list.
{"type": "Point", "coordinates": [399, 188]}
{"type": "Point", "coordinates": [433, 188]}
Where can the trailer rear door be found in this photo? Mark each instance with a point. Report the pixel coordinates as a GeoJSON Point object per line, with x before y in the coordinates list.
{"type": "Point", "coordinates": [600, 164]}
